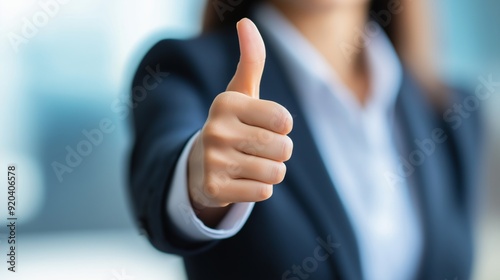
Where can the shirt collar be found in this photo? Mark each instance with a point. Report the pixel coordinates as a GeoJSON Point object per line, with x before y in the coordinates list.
{"type": "Point", "coordinates": [309, 70]}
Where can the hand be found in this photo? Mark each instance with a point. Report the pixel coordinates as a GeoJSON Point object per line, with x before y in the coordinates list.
{"type": "Point", "coordinates": [238, 155]}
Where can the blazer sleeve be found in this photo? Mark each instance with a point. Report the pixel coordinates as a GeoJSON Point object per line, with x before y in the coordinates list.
{"type": "Point", "coordinates": [169, 104]}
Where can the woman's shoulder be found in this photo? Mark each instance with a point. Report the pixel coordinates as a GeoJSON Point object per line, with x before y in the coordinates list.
{"type": "Point", "coordinates": [209, 58]}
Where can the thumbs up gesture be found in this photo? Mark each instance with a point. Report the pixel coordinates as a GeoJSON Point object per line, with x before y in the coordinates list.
{"type": "Point", "coordinates": [240, 152]}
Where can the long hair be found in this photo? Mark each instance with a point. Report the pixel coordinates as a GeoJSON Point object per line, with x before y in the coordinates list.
{"type": "Point", "coordinates": [409, 30]}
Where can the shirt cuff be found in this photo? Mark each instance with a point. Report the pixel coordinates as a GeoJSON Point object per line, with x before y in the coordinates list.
{"type": "Point", "coordinates": [181, 212]}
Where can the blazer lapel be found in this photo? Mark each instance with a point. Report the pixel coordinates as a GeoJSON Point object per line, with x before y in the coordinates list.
{"type": "Point", "coordinates": [446, 247]}
{"type": "Point", "coordinates": [307, 175]}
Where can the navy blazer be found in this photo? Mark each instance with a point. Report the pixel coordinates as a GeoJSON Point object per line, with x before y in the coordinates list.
{"type": "Point", "coordinates": [302, 231]}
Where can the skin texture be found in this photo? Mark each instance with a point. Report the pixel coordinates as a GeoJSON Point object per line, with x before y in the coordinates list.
{"type": "Point", "coordinates": [240, 153]}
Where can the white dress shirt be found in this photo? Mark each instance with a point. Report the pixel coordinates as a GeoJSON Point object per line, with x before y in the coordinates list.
{"type": "Point", "coordinates": [357, 145]}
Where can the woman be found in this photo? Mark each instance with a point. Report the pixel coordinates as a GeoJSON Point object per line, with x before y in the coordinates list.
{"type": "Point", "coordinates": [378, 185]}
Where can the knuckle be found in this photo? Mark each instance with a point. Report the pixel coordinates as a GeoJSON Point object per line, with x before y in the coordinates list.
{"type": "Point", "coordinates": [265, 136]}
{"type": "Point", "coordinates": [222, 99]}
{"type": "Point", "coordinates": [234, 168]}
{"type": "Point", "coordinates": [225, 101]}
{"type": "Point", "coordinates": [209, 157]}
{"type": "Point", "coordinates": [247, 147]}
{"type": "Point", "coordinates": [212, 134]}
{"type": "Point", "coordinates": [211, 189]}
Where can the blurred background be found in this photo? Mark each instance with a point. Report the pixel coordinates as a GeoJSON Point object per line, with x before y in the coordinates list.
{"type": "Point", "coordinates": [65, 67]}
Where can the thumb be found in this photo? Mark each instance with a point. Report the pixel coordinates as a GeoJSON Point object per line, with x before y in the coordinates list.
{"type": "Point", "coordinates": [252, 59]}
